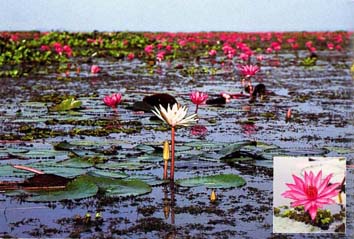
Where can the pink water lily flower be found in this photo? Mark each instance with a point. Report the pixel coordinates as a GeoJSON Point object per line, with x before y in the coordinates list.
{"type": "Point", "coordinates": [312, 192]}
{"type": "Point", "coordinates": [212, 52]}
{"type": "Point", "coordinates": [131, 56]}
{"type": "Point", "coordinates": [113, 100]}
{"type": "Point", "coordinates": [248, 70]}
{"type": "Point", "coordinates": [95, 69]}
{"type": "Point", "coordinates": [198, 98]}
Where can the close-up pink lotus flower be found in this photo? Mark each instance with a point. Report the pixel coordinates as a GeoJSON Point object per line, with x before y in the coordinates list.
{"type": "Point", "coordinates": [95, 69]}
{"type": "Point", "coordinates": [312, 192]}
{"type": "Point", "coordinates": [198, 98]}
{"type": "Point", "coordinates": [248, 70]}
{"type": "Point", "coordinates": [113, 100]}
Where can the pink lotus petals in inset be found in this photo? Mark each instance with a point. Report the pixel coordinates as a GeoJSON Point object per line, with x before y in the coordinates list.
{"type": "Point", "coordinates": [113, 100]}
{"type": "Point", "coordinates": [248, 70]}
{"type": "Point", "coordinates": [95, 69]}
{"type": "Point", "coordinates": [312, 192]}
{"type": "Point", "coordinates": [198, 98]}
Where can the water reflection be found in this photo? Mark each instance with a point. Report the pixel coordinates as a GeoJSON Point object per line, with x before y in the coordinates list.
{"type": "Point", "coordinates": [168, 207]}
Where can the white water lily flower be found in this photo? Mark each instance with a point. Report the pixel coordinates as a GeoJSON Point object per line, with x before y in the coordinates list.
{"type": "Point", "coordinates": [175, 116]}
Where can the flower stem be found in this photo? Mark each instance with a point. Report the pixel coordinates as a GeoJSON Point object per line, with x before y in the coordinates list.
{"type": "Point", "coordinates": [165, 169]}
{"type": "Point", "coordinates": [196, 109]}
{"type": "Point", "coordinates": [172, 173]}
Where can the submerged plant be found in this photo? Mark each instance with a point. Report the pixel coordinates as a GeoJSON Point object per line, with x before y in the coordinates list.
{"type": "Point", "coordinates": [312, 192]}
{"type": "Point", "coordinates": [174, 116]}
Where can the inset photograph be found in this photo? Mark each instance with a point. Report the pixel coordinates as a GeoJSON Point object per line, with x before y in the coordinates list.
{"type": "Point", "coordinates": [309, 195]}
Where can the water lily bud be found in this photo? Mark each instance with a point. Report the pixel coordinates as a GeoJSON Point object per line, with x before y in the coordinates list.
{"type": "Point", "coordinates": [166, 211]}
{"type": "Point", "coordinates": [166, 150]}
{"type": "Point", "coordinates": [213, 196]}
{"type": "Point", "coordinates": [340, 200]}
{"type": "Point", "coordinates": [288, 114]}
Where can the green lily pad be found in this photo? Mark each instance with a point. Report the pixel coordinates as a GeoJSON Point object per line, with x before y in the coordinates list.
{"type": "Point", "coordinates": [76, 162]}
{"type": "Point", "coordinates": [119, 187]}
{"type": "Point", "coordinates": [213, 181]}
{"type": "Point", "coordinates": [68, 104]}
{"type": "Point", "coordinates": [40, 154]}
{"type": "Point", "coordinates": [232, 148]}
{"type": "Point", "coordinates": [9, 171]}
{"type": "Point", "coordinates": [150, 159]}
{"type": "Point", "coordinates": [77, 189]}
{"type": "Point", "coordinates": [340, 150]}
{"type": "Point", "coordinates": [145, 148]}
{"type": "Point", "coordinates": [57, 169]}
{"type": "Point", "coordinates": [151, 180]}
{"type": "Point", "coordinates": [107, 173]}
{"type": "Point", "coordinates": [205, 145]}
{"type": "Point", "coordinates": [261, 145]}
{"type": "Point", "coordinates": [126, 165]}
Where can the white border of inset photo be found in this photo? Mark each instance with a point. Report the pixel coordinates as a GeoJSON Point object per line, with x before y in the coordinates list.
{"type": "Point", "coordinates": [284, 169]}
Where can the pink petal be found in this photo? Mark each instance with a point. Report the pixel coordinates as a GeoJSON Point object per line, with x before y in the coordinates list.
{"type": "Point", "coordinates": [328, 189]}
{"type": "Point", "coordinates": [324, 183]}
{"type": "Point", "coordinates": [300, 202]}
{"type": "Point", "coordinates": [325, 201]}
{"type": "Point", "coordinates": [294, 195]}
{"type": "Point", "coordinates": [317, 180]}
{"type": "Point", "coordinates": [295, 188]}
{"type": "Point", "coordinates": [299, 182]}
{"type": "Point", "coordinates": [313, 212]}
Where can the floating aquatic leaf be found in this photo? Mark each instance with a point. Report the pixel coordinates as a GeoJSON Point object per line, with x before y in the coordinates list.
{"type": "Point", "coordinates": [126, 165]}
{"type": "Point", "coordinates": [205, 145]}
{"type": "Point", "coordinates": [213, 181]}
{"type": "Point", "coordinates": [340, 150]}
{"type": "Point", "coordinates": [57, 169]}
{"type": "Point", "coordinates": [119, 187]}
{"type": "Point", "coordinates": [264, 163]}
{"type": "Point", "coordinates": [150, 159]}
{"type": "Point", "coordinates": [68, 104]}
{"type": "Point", "coordinates": [151, 180]}
{"type": "Point", "coordinates": [40, 154]}
{"type": "Point", "coordinates": [76, 162]}
{"type": "Point", "coordinates": [232, 148]}
{"type": "Point", "coordinates": [146, 148]}
{"type": "Point", "coordinates": [107, 173]}
{"type": "Point", "coordinates": [260, 145]}
{"type": "Point", "coordinates": [305, 152]}
{"type": "Point", "coordinates": [76, 189]}
{"type": "Point", "coordinates": [64, 145]}
{"type": "Point", "coordinates": [7, 171]}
